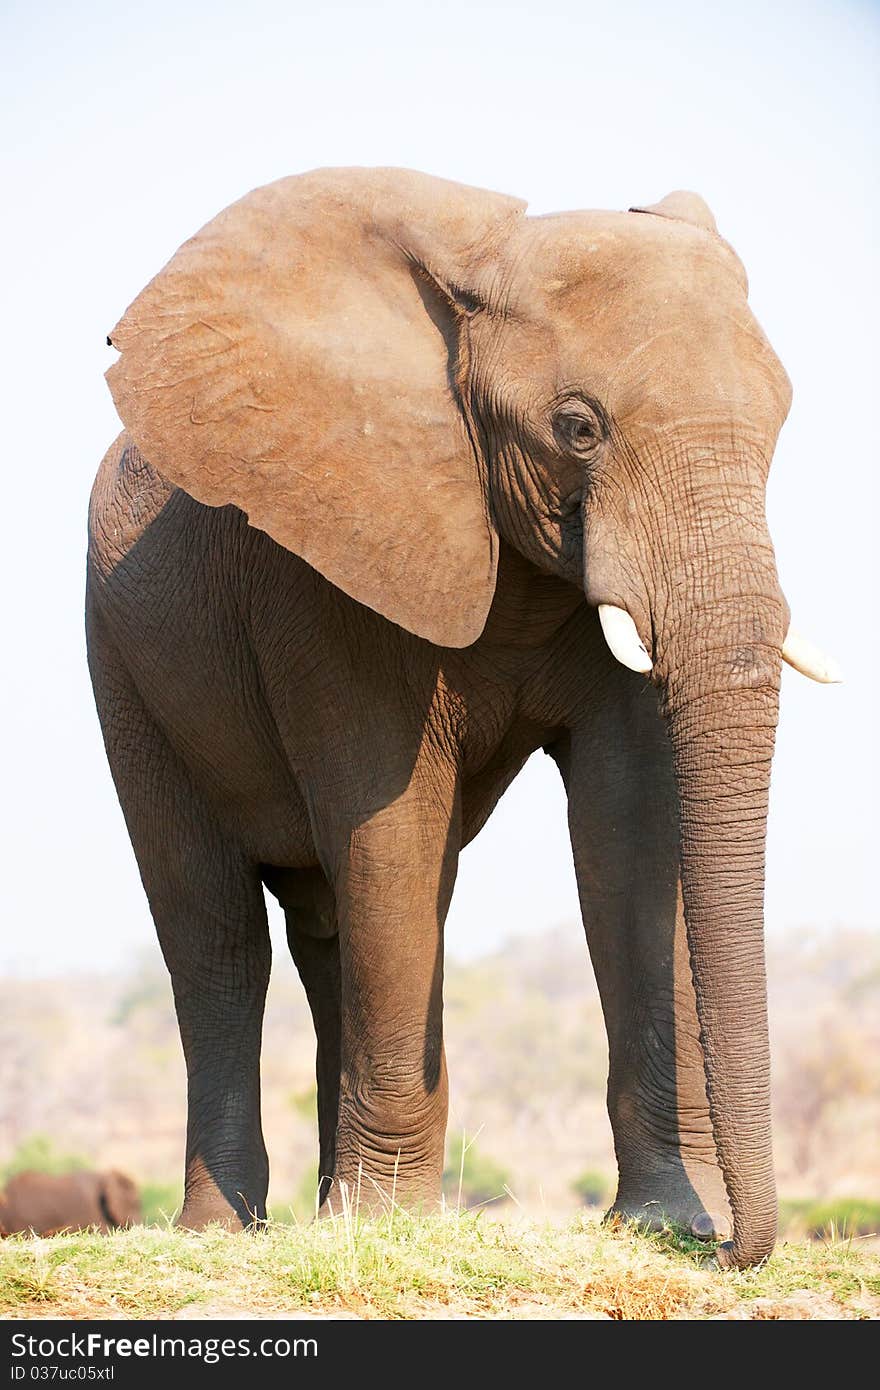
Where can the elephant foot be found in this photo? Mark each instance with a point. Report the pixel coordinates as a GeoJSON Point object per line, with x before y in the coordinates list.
{"type": "Point", "coordinates": [695, 1201]}
{"type": "Point", "coordinates": [198, 1215]}
{"type": "Point", "coordinates": [656, 1215]}
{"type": "Point", "coordinates": [209, 1202]}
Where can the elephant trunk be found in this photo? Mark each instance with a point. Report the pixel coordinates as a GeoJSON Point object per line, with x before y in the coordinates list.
{"type": "Point", "coordinates": [721, 708]}
{"type": "Point", "coordinates": [703, 609]}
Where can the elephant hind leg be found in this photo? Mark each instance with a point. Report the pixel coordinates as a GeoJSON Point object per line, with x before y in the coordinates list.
{"type": "Point", "coordinates": [312, 935]}
{"type": "Point", "coordinates": [210, 915]}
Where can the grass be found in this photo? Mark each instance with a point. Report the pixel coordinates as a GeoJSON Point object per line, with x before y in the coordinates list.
{"type": "Point", "coordinates": [454, 1264]}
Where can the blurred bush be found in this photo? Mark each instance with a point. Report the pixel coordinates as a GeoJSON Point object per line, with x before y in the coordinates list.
{"type": "Point", "coordinates": [37, 1152]}
{"type": "Point", "coordinates": [305, 1103]}
{"type": "Point", "coordinates": [840, 1217]}
{"type": "Point", "coordinates": [301, 1207]}
{"type": "Point", "coordinates": [161, 1202]}
{"type": "Point", "coordinates": [593, 1189]}
{"type": "Point", "coordinates": [471, 1178]}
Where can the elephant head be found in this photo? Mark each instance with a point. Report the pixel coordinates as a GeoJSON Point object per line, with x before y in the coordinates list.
{"type": "Point", "coordinates": [118, 1199]}
{"type": "Point", "coordinates": [387, 372]}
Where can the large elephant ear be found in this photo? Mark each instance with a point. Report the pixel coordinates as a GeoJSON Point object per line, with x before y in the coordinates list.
{"type": "Point", "coordinates": [296, 358]}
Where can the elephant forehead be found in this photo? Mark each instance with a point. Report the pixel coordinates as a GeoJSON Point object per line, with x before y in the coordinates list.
{"type": "Point", "coordinates": [704, 358]}
{"type": "Point", "coordinates": [556, 255]}
{"type": "Point", "coordinates": [641, 319]}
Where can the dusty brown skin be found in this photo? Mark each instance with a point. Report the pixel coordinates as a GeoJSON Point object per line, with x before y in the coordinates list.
{"type": "Point", "coordinates": [454, 430]}
{"type": "Point", "coordinates": [46, 1203]}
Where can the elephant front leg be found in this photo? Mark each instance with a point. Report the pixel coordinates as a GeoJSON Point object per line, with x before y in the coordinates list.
{"type": "Point", "coordinates": [623, 819]}
{"type": "Point", "coordinates": [393, 886]}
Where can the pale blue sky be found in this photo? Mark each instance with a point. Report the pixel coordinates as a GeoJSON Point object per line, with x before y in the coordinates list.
{"type": "Point", "coordinates": [129, 126]}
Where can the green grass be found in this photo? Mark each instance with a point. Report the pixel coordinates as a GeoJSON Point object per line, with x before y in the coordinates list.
{"type": "Point", "coordinates": [452, 1264]}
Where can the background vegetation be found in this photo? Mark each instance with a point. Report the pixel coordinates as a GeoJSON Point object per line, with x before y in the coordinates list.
{"type": "Point", "coordinates": [92, 1075]}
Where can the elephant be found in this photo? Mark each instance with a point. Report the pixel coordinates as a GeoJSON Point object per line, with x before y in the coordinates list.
{"type": "Point", "coordinates": [48, 1203]}
{"type": "Point", "coordinates": [412, 485]}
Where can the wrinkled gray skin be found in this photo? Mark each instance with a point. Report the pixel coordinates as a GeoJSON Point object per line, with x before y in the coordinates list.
{"type": "Point", "coordinates": [584, 401]}
{"type": "Point", "coordinates": [47, 1203]}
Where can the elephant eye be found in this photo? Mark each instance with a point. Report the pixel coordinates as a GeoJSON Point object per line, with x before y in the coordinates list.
{"type": "Point", "coordinates": [578, 430]}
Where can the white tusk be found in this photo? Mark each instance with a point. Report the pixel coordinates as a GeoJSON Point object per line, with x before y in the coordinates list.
{"type": "Point", "coordinates": [622, 637]}
{"type": "Point", "coordinates": [809, 660]}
